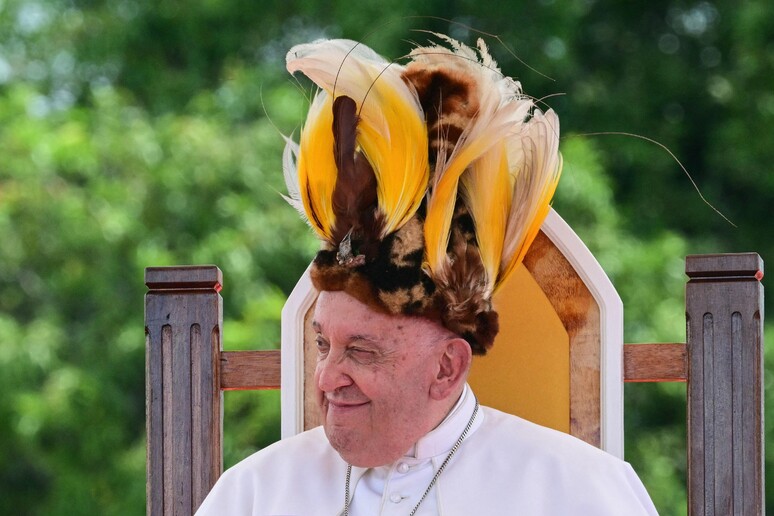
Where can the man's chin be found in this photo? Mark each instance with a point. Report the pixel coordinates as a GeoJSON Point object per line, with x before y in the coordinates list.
{"type": "Point", "coordinates": [353, 452]}
{"type": "Point", "coordinates": [342, 441]}
{"type": "Point", "coordinates": [359, 460]}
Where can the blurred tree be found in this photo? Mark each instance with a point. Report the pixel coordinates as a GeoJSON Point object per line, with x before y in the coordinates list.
{"type": "Point", "coordinates": [137, 133]}
{"type": "Point", "coordinates": [89, 197]}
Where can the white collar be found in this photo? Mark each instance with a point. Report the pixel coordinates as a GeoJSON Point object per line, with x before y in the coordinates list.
{"type": "Point", "coordinates": [441, 439]}
{"type": "Point", "coordinates": [436, 443]}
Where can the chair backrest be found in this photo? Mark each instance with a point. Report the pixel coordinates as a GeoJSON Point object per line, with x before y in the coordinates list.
{"type": "Point", "coordinates": [561, 336]}
{"type": "Point", "coordinates": [187, 369]}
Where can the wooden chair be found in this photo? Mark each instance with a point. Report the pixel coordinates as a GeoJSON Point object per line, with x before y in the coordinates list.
{"type": "Point", "coordinates": [586, 364]}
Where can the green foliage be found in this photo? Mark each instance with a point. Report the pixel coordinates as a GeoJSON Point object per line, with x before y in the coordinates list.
{"type": "Point", "coordinates": [90, 196]}
{"type": "Point", "coordinates": [139, 133]}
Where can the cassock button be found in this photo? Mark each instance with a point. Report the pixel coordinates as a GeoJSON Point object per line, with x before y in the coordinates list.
{"type": "Point", "coordinates": [396, 498]}
{"type": "Point", "coordinates": [403, 467]}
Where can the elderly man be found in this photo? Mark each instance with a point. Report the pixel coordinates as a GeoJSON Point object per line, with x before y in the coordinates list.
{"type": "Point", "coordinates": [426, 184]}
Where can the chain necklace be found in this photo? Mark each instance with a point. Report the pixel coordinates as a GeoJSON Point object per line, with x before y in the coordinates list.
{"type": "Point", "coordinates": [435, 477]}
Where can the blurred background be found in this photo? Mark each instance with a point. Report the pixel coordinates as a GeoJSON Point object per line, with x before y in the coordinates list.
{"type": "Point", "coordinates": [138, 133]}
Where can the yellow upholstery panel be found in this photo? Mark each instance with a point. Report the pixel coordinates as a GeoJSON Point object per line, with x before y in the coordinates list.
{"type": "Point", "coordinates": [527, 372]}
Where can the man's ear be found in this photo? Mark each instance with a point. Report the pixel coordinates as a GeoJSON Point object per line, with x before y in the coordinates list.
{"type": "Point", "coordinates": [453, 366]}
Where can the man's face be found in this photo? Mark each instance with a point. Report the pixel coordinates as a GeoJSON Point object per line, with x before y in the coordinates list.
{"type": "Point", "coordinates": [373, 378]}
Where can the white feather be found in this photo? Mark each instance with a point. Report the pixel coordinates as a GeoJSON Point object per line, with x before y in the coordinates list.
{"type": "Point", "coordinates": [535, 164]}
{"type": "Point", "coordinates": [348, 67]}
{"type": "Point", "coordinates": [290, 171]}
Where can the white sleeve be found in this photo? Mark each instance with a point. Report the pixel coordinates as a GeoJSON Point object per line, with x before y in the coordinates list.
{"type": "Point", "coordinates": [232, 495]}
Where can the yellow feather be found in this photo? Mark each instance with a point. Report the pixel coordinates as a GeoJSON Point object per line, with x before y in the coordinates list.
{"type": "Point", "coordinates": [486, 189]}
{"type": "Point", "coordinates": [440, 208]}
{"type": "Point", "coordinates": [316, 166]}
{"type": "Point", "coordinates": [485, 132]}
{"type": "Point", "coordinates": [391, 132]}
{"type": "Point", "coordinates": [543, 207]}
{"type": "Point", "coordinates": [394, 140]}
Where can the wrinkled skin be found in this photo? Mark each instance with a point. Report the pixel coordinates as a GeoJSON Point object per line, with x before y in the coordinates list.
{"type": "Point", "coordinates": [382, 381]}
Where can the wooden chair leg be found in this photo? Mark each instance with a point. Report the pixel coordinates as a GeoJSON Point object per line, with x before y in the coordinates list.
{"type": "Point", "coordinates": [724, 309]}
{"type": "Point", "coordinates": [183, 321]}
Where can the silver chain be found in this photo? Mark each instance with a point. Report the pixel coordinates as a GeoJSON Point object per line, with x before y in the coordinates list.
{"type": "Point", "coordinates": [435, 477]}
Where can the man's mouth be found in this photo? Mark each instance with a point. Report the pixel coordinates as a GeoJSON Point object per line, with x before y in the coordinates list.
{"type": "Point", "coordinates": [345, 406]}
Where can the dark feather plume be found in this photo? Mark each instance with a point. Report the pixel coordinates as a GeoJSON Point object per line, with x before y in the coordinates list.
{"type": "Point", "coordinates": [354, 196]}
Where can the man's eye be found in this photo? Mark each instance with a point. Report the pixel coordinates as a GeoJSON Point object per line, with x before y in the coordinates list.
{"type": "Point", "coordinates": [322, 345]}
{"type": "Point", "coordinates": [361, 354]}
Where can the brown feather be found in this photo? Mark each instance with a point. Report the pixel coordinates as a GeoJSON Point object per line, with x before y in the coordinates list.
{"type": "Point", "coordinates": [464, 308]}
{"type": "Point", "coordinates": [354, 196]}
{"type": "Point", "coordinates": [463, 280]}
{"type": "Point", "coordinates": [449, 100]}
{"type": "Point", "coordinates": [345, 121]}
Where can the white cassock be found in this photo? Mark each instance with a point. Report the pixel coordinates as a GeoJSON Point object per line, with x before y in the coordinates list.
{"type": "Point", "coordinates": [505, 466]}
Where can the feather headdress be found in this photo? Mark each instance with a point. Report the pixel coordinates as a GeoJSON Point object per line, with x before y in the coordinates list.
{"type": "Point", "coordinates": [426, 182]}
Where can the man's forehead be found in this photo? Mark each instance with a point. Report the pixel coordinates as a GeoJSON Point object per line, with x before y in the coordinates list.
{"type": "Point", "coordinates": [337, 305]}
{"type": "Point", "coordinates": [338, 310]}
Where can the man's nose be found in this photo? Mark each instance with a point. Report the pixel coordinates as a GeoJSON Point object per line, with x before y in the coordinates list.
{"type": "Point", "coordinates": [332, 374]}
